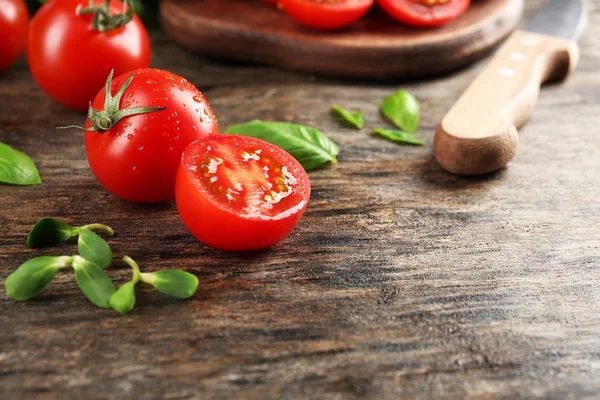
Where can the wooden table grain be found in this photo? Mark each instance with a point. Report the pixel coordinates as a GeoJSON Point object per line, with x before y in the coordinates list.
{"type": "Point", "coordinates": [402, 281]}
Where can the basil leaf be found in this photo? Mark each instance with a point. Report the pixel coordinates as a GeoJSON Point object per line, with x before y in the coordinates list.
{"type": "Point", "coordinates": [403, 110]}
{"type": "Point", "coordinates": [49, 231]}
{"type": "Point", "coordinates": [123, 300]}
{"type": "Point", "coordinates": [93, 248]}
{"type": "Point", "coordinates": [93, 282]}
{"type": "Point", "coordinates": [355, 119]}
{"type": "Point", "coordinates": [17, 168]}
{"type": "Point", "coordinates": [399, 136]}
{"type": "Point", "coordinates": [310, 147]}
{"type": "Point", "coordinates": [175, 283]}
{"type": "Point", "coordinates": [30, 278]}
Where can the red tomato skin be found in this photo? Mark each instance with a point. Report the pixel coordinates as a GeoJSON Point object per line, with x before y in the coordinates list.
{"type": "Point", "coordinates": [14, 22]}
{"type": "Point", "coordinates": [71, 61]}
{"type": "Point", "coordinates": [412, 13]}
{"type": "Point", "coordinates": [216, 226]}
{"type": "Point", "coordinates": [325, 16]}
{"type": "Point", "coordinates": [138, 158]}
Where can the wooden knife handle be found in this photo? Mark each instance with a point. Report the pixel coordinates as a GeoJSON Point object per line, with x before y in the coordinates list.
{"type": "Point", "coordinates": [479, 134]}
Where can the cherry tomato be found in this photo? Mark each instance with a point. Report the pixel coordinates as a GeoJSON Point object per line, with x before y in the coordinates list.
{"type": "Point", "coordinates": [424, 12]}
{"type": "Point", "coordinates": [326, 14]}
{"type": "Point", "coordinates": [240, 193]}
{"type": "Point", "coordinates": [14, 20]}
{"type": "Point", "coordinates": [70, 59]}
{"type": "Point", "coordinates": [136, 157]}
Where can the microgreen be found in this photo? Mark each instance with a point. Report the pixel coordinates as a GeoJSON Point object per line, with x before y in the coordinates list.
{"type": "Point", "coordinates": [31, 277]}
{"type": "Point", "coordinates": [50, 231]}
{"type": "Point", "coordinates": [93, 248]}
{"type": "Point", "coordinates": [94, 256]}
{"type": "Point", "coordinates": [93, 281]}
{"type": "Point", "coordinates": [175, 283]}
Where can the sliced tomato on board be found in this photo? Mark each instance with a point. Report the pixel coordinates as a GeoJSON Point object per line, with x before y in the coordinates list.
{"type": "Point", "coordinates": [425, 13]}
{"type": "Point", "coordinates": [326, 14]}
{"type": "Point", "coordinates": [239, 193]}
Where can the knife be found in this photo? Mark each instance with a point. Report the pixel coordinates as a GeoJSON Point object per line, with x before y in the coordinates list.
{"type": "Point", "coordinates": [479, 134]}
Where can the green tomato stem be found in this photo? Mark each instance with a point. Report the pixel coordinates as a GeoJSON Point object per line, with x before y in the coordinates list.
{"type": "Point", "coordinates": [96, 227]}
{"type": "Point", "coordinates": [102, 121]}
{"type": "Point", "coordinates": [103, 21]}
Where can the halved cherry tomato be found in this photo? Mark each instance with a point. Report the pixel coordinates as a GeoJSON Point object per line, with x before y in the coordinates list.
{"type": "Point", "coordinates": [14, 21]}
{"type": "Point", "coordinates": [136, 157]}
{"type": "Point", "coordinates": [424, 12]}
{"type": "Point", "coordinates": [326, 14]}
{"type": "Point", "coordinates": [240, 193]}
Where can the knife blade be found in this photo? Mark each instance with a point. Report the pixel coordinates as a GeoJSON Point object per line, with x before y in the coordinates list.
{"type": "Point", "coordinates": [479, 134]}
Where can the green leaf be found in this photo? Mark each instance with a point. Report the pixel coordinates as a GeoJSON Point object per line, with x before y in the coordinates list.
{"type": "Point", "coordinates": [175, 283]}
{"type": "Point", "coordinates": [93, 282]}
{"type": "Point", "coordinates": [17, 168]}
{"type": "Point", "coordinates": [399, 136]}
{"type": "Point", "coordinates": [123, 300]}
{"type": "Point", "coordinates": [310, 147]}
{"type": "Point", "coordinates": [403, 110]}
{"type": "Point", "coordinates": [30, 278]}
{"type": "Point", "coordinates": [355, 119]}
{"type": "Point", "coordinates": [93, 248]}
{"type": "Point", "coordinates": [49, 231]}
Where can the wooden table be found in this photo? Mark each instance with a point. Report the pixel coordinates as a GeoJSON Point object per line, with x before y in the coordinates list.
{"type": "Point", "coordinates": [401, 281]}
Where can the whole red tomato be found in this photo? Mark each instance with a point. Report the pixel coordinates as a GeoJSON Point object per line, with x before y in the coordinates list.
{"type": "Point", "coordinates": [424, 13]}
{"type": "Point", "coordinates": [240, 193]}
{"type": "Point", "coordinates": [136, 136]}
{"type": "Point", "coordinates": [326, 15]}
{"type": "Point", "coordinates": [14, 19]}
{"type": "Point", "coordinates": [70, 56]}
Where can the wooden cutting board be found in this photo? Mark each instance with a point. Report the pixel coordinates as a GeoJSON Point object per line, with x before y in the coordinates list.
{"type": "Point", "coordinates": [376, 47]}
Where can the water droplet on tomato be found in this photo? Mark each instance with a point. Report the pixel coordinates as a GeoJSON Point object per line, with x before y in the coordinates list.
{"type": "Point", "coordinates": [130, 136]}
{"type": "Point", "coordinates": [205, 111]}
{"type": "Point", "coordinates": [197, 99]}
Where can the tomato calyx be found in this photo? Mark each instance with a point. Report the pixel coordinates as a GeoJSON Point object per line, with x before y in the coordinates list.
{"type": "Point", "coordinates": [103, 21]}
{"type": "Point", "coordinates": [103, 121]}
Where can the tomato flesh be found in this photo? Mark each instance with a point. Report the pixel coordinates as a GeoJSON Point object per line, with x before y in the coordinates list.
{"type": "Point", "coordinates": [14, 21]}
{"type": "Point", "coordinates": [240, 193]}
{"type": "Point", "coordinates": [426, 13]}
{"type": "Point", "coordinates": [326, 14]}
